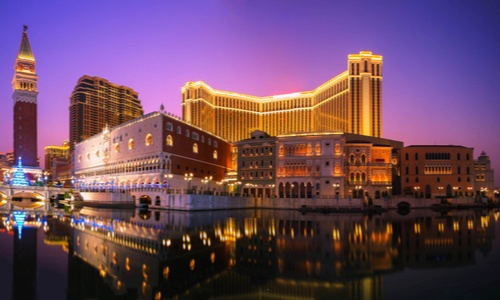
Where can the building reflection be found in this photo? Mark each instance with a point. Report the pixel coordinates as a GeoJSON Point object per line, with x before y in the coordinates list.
{"type": "Point", "coordinates": [263, 253]}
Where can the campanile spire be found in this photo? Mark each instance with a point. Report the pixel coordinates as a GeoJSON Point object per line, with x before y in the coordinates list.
{"type": "Point", "coordinates": [25, 92]}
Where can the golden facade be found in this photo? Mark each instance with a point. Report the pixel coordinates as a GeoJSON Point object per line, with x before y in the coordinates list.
{"type": "Point", "coordinates": [96, 103]}
{"type": "Point", "coordinates": [350, 102]}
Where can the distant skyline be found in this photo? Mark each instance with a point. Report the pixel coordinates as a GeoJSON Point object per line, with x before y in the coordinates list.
{"type": "Point", "coordinates": [441, 79]}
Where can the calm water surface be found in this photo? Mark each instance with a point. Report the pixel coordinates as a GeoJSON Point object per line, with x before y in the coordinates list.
{"type": "Point", "coordinates": [250, 254]}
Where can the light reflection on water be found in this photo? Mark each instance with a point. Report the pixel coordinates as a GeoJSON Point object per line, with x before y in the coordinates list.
{"type": "Point", "coordinates": [262, 254]}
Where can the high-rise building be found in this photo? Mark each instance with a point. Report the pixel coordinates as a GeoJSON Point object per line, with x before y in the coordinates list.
{"type": "Point", "coordinates": [350, 102]}
{"type": "Point", "coordinates": [96, 103]}
{"type": "Point", "coordinates": [25, 95]}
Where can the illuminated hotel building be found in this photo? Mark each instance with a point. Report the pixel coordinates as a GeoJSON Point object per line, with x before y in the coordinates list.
{"type": "Point", "coordinates": [96, 103]}
{"type": "Point", "coordinates": [56, 152]}
{"type": "Point", "coordinates": [25, 86]}
{"type": "Point", "coordinates": [437, 171]}
{"type": "Point", "coordinates": [321, 164]}
{"type": "Point", "coordinates": [350, 102]}
{"type": "Point", "coordinates": [155, 149]}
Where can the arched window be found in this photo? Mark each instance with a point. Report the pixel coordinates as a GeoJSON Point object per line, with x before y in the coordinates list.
{"type": "Point", "coordinates": [318, 149]}
{"type": "Point", "coordinates": [216, 154]}
{"type": "Point", "coordinates": [337, 169]}
{"type": "Point", "coordinates": [117, 147]}
{"type": "Point", "coordinates": [366, 66]}
{"type": "Point", "coordinates": [351, 158]}
{"type": "Point", "coordinates": [131, 144]}
{"type": "Point", "coordinates": [357, 176]}
{"type": "Point", "coordinates": [337, 149]}
{"type": "Point", "coordinates": [170, 141]}
{"type": "Point", "coordinates": [195, 148]}
{"type": "Point", "coordinates": [363, 158]}
{"type": "Point", "coordinates": [187, 133]}
{"type": "Point", "coordinates": [170, 127]}
{"type": "Point", "coordinates": [149, 139]}
{"type": "Point", "coordinates": [309, 149]}
{"type": "Point", "coordinates": [363, 176]}
{"type": "Point", "coordinates": [351, 177]}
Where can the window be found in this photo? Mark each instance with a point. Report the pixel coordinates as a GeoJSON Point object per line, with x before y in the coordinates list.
{"type": "Point", "coordinates": [131, 144]}
{"type": "Point", "coordinates": [187, 132]}
{"type": "Point", "coordinates": [79, 158]}
{"type": "Point", "coordinates": [149, 139]}
{"type": "Point", "coordinates": [117, 147]}
{"type": "Point", "coordinates": [363, 158]}
{"type": "Point", "coordinates": [216, 144]}
{"type": "Point", "coordinates": [170, 127]}
{"type": "Point", "coordinates": [195, 136]}
{"type": "Point", "coordinates": [179, 130]}
{"type": "Point", "coordinates": [215, 154]}
{"type": "Point", "coordinates": [195, 148]}
{"type": "Point", "coordinates": [170, 141]}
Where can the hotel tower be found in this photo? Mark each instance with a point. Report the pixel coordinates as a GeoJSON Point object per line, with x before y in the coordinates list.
{"type": "Point", "coordinates": [96, 103]}
{"type": "Point", "coordinates": [351, 102]}
{"type": "Point", "coordinates": [25, 95]}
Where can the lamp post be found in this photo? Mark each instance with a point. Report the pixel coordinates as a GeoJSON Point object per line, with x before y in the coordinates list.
{"type": "Point", "coordinates": [417, 188]}
{"type": "Point", "coordinates": [271, 187]}
{"type": "Point", "coordinates": [389, 191]}
{"type": "Point", "coordinates": [335, 190]}
{"type": "Point", "coordinates": [207, 181]}
{"type": "Point", "coordinates": [358, 188]}
{"type": "Point", "coordinates": [168, 178]}
{"type": "Point", "coordinates": [440, 191]}
{"type": "Point", "coordinates": [188, 177]}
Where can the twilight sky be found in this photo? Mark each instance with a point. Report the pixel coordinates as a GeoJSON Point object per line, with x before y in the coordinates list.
{"type": "Point", "coordinates": [441, 65]}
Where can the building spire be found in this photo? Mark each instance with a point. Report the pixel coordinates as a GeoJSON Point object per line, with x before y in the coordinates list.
{"type": "Point", "coordinates": [25, 48]}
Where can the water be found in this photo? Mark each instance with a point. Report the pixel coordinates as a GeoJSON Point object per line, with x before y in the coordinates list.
{"type": "Point", "coordinates": [251, 254]}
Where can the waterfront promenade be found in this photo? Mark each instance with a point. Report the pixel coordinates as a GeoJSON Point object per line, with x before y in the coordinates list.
{"type": "Point", "coordinates": [181, 199]}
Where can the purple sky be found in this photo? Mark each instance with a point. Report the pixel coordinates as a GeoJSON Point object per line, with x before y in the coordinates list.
{"type": "Point", "coordinates": [441, 63]}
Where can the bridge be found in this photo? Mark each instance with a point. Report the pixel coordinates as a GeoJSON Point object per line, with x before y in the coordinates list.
{"type": "Point", "coordinates": [32, 198]}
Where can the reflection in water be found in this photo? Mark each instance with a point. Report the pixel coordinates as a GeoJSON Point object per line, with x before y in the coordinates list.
{"type": "Point", "coordinates": [256, 254]}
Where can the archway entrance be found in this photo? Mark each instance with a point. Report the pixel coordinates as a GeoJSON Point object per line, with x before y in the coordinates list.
{"type": "Point", "coordinates": [144, 201]}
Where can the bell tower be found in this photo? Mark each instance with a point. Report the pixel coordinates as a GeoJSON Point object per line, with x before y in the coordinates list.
{"type": "Point", "coordinates": [24, 85]}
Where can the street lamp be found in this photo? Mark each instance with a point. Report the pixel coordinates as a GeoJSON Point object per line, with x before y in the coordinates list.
{"type": "Point", "coordinates": [168, 178]}
{"type": "Point", "coordinates": [417, 188]}
{"type": "Point", "coordinates": [440, 190]}
{"type": "Point", "coordinates": [207, 180]}
{"type": "Point", "coordinates": [335, 190]}
{"type": "Point", "coordinates": [389, 191]}
{"type": "Point", "coordinates": [358, 187]}
{"type": "Point", "coordinates": [188, 177]}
